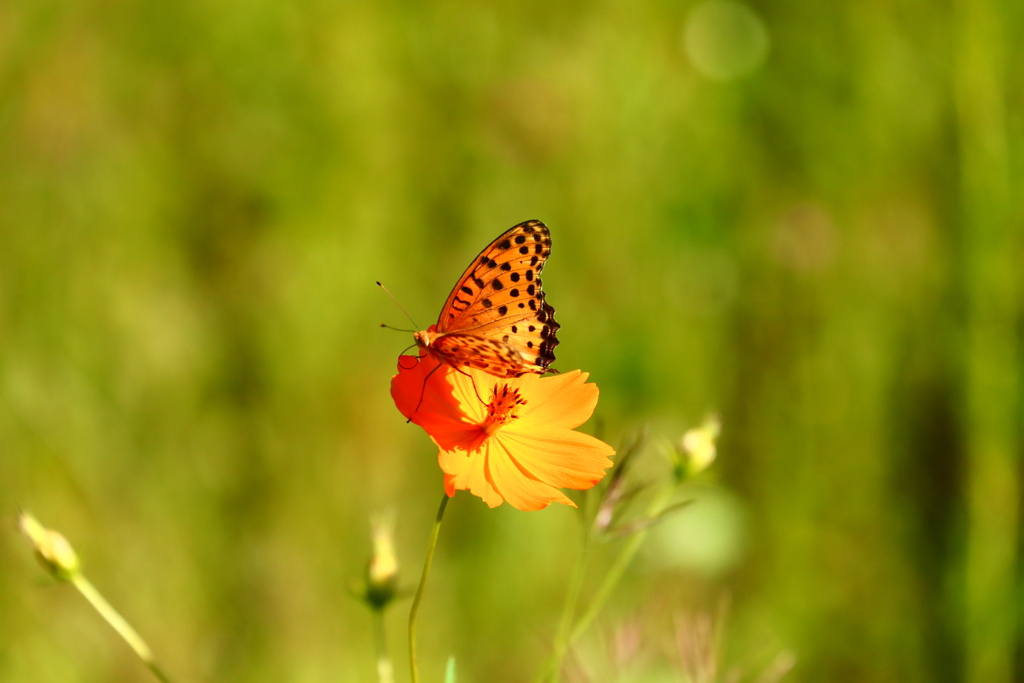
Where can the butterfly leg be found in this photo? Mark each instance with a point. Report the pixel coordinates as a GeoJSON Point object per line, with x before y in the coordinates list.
{"type": "Point", "coordinates": [423, 389]}
{"type": "Point", "coordinates": [477, 391]}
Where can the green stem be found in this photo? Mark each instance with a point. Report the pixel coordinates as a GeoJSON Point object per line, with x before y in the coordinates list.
{"type": "Point", "coordinates": [551, 668]}
{"type": "Point", "coordinates": [618, 568]}
{"type": "Point", "coordinates": [551, 665]}
{"type": "Point", "coordinates": [419, 590]}
{"type": "Point", "coordinates": [118, 623]}
{"type": "Point", "coordinates": [566, 637]}
{"type": "Point", "coordinates": [611, 580]}
{"type": "Point", "coordinates": [992, 381]}
{"type": "Point", "coordinates": [385, 670]}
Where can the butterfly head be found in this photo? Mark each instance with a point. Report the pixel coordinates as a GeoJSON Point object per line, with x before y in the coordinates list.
{"type": "Point", "coordinates": [424, 338]}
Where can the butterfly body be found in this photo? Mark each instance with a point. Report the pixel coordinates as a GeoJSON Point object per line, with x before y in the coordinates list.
{"type": "Point", "coordinates": [496, 318]}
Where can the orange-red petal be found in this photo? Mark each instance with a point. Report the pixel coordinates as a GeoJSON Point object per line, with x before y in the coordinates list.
{"type": "Point", "coordinates": [423, 394]}
{"type": "Point", "coordinates": [525, 461]}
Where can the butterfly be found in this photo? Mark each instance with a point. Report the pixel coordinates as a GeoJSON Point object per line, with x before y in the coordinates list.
{"type": "Point", "coordinates": [496, 318]}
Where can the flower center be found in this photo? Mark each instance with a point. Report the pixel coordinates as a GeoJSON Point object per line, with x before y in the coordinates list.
{"type": "Point", "coordinates": [503, 408]}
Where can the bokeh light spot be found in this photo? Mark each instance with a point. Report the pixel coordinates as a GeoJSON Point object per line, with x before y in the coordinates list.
{"type": "Point", "coordinates": [707, 537]}
{"type": "Point", "coordinates": [725, 39]}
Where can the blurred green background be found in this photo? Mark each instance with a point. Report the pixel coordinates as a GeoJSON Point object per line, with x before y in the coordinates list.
{"type": "Point", "coordinates": [801, 215]}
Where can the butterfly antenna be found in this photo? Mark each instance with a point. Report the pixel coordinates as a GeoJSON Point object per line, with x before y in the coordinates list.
{"type": "Point", "coordinates": [399, 308]}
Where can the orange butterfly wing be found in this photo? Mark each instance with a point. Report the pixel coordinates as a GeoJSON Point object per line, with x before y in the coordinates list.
{"type": "Point", "coordinates": [496, 317]}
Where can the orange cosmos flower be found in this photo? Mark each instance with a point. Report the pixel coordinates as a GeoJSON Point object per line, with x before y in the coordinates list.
{"type": "Point", "coordinates": [505, 439]}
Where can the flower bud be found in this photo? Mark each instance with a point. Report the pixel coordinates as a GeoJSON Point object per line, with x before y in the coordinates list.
{"type": "Point", "coordinates": [382, 571]}
{"type": "Point", "coordinates": [52, 550]}
{"type": "Point", "coordinates": [697, 448]}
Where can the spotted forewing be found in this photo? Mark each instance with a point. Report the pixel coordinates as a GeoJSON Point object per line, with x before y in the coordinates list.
{"type": "Point", "coordinates": [497, 318]}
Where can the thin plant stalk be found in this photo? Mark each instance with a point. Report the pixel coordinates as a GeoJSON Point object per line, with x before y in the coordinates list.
{"type": "Point", "coordinates": [61, 562]}
{"type": "Point", "coordinates": [992, 305]}
{"type": "Point", "coordinates": [568, 612]}
{"type": "Point", "coordinates": [385, 670]}
{"type": "Point", "coordinates": [550, 669]}
{"type": "Point", "coordinates": [414, 610]}
{"type": "Point", "coordinates": [619, 566]}
{"type": "Point", "coordinates": [118, 623]}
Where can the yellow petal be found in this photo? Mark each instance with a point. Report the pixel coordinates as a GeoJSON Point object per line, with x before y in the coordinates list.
{"type": "Point", "coordinates": [559, 457]}
{"type": "Point", "coordinates": [515, 485]}
{"type": "Point", "coordinates": [468, 472]}
{"type": "Point", "coordinates": [564, 400]}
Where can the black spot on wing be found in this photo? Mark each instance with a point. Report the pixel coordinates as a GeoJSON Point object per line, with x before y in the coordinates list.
{"type": "Point", "coordinates": [546, 350]}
